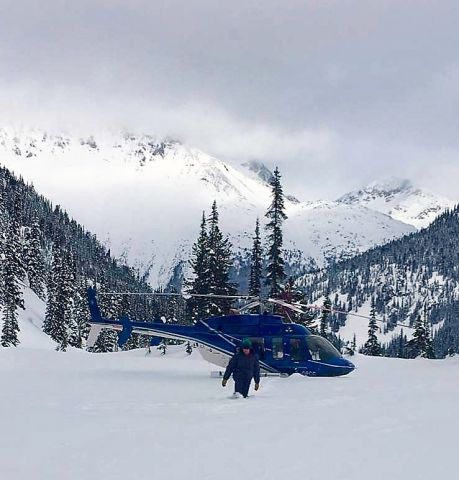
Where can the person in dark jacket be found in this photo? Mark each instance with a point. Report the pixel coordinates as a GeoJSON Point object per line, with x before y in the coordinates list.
{"type": "Point", "coordinates": [243, 366]}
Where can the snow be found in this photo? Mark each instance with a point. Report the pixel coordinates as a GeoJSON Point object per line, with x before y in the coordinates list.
{"type": "Point", "coordinates": [401, 200]}
{"type": "Point", "coordinates": [147, 206]}
{"type": "Point", "coordinates": [359, 327]}
{"type": "Point", "coordinates": [31, 322]}
{"type": "Point", "coordinates": [84, 416]}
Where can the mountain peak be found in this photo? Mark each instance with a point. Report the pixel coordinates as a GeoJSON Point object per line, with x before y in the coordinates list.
{"type": "Point", "coordinates": [385, 188]}
{"type": "Point", "coordinates": [390, 185]}
{"type": "Point", "coordinates": [260, 170]}
{"type": "Point", "coordinates": [400, 199]}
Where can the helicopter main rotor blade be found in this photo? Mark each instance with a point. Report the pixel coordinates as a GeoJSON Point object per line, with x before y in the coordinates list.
{"type": "Point", "coordinates": [184, 295]}
{"type": "Point", "coordinates": [286, 305]}
{"type": "Point", "coordinates": [334, 310]}
{"type": "Point", "coordinates": [251, 305]}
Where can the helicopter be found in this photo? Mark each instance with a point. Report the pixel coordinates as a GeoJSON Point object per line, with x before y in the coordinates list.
{"type": "Point", "coordinates": [282, 346]}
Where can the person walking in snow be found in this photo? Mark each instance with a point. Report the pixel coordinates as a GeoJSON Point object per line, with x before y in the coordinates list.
{"type": "Point", "coordinates": [243, 366]}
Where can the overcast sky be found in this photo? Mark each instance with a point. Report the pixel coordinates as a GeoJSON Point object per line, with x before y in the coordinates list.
{"type": "Point", "coordinates": [337, 93]}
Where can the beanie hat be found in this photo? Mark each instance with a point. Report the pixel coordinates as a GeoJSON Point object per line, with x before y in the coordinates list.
{"type": "Point", "coordinates": [246, 343]}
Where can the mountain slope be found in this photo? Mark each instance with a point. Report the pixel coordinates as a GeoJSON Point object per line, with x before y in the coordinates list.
{"type": "Point", "coordinates": [144, 198]}
{"type": "Point", "coordinates": [399, 199]}
{"type": "Point", "coordinates": [414, 275]}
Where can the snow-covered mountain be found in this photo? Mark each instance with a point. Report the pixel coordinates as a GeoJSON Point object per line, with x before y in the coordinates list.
{"type": "Point", "coordinates": [401, 200]}
{"type": "Point", "coordinates": [144, 198]}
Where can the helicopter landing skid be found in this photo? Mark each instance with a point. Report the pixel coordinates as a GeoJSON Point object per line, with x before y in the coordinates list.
{"type": "Point", "coordinates": [219, 374]}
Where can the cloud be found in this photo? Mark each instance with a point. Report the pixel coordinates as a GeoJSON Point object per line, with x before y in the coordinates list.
{"type": "Point", "coordinates": [335, 92]}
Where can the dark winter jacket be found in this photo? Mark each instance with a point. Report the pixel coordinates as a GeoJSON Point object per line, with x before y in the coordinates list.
{"type": "Point", "coordinates": [243, 367]}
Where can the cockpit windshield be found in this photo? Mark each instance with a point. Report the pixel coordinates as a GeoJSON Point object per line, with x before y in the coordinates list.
{"type": "Point", "coordinates": [321, 349]}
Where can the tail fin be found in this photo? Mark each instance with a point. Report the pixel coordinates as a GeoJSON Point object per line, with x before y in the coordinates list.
{"type": "Point", "coordinates": [96, 316]}
{"type": "Point", "coordinates": [93, 307]}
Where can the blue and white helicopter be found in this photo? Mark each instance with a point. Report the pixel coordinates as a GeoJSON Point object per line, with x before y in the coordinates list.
{"type": "Point", "coordinates": [283, 347]}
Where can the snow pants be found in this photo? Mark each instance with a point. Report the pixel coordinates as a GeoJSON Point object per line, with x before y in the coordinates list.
{"type": "Point", "coordinates": [242, 385]}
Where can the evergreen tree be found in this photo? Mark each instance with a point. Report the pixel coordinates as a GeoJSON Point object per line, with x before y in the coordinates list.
{"type": "Point", "coordinates": [421, 343]}
{"type": "Point", "coordinates": [219, 263]}
{"type": "Point", "coordinates": [326, 310]}
{"type": "Point", "coordinates": [58, 316]}
{"type": "Point", "coordinates": [372, 346]}
{"type": "Point", "coordinates": [79, 315]}
{"type": "Point", "coordinates": [4, 220]}
{"type": "Point", "coordinates": [309, 320]}
{"type": "Point", "coordinates": [106, 341]}
{"type": "Point", "coordinates": [200, 267]}
{"type": "Point", "coordinates": [12, 274]}
{"type": "Point", "coordinates": [351, 347]}
{"type": "Point", "coordinates": [33, 259]}
{"type": "Point", "coordinates": [276, 215]}
{"type": "Point", "coordinates": [256, 262]}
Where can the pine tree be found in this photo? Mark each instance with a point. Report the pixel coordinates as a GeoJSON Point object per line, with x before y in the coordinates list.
{"type": "Point", "coordinates": [79, 314]}
{"type": "Point", "coordinates": [58, 316]}
{"type": "Point", "coordinates": [219, 264]}
{"type": "Point", "coordinates": [421, 343]}
{"type": "Point", "coordinates": [106, 341]}
{"type": "Point", "coordinates": [372, 346]}
{"type": "Point", "coordinates": [4, 220]}
{"type": "Point", "coordinates": [200, 268]}
{"type": "Point", "coordinates": [353, 345]}
{"type": "Point", "coordinates": [33, 259]}
{"type": "Point", "coordinates": [324, 317]}
{"type": "Point", "coordinates": [256, 262]}
{"type": "Point", "coordinates": [12, 274]}
{"type": "Point", "coordinates": [276, 215]}
{"type": "Point", "coordinates": [112, 306]}
{"type": "Point", "coordinates": [308, 319]}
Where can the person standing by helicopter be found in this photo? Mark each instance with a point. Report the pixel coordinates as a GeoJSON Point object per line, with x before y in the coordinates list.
{"type": "Point", "coordinates": [244, 366]}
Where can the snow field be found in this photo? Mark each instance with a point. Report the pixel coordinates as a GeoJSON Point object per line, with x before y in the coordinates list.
{"type": "Point", "coordinates": [86, 416]}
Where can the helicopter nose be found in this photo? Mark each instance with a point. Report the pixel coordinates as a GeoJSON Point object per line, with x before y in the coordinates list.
{"type": "Point", "coordinates": [349, 365]}
{"type": "Point", "coordinates": [345, 365]}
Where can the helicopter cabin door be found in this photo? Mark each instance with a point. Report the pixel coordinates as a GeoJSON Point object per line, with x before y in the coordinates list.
{"type": "Point", "coordinates": [288, 349]}
{"type": "Point", "coordinates": [278, 349]}
{"type": "Point", "coordinates": [296, 349]}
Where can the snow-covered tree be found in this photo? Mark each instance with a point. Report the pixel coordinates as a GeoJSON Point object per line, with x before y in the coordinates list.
{"type": "Point", "coordinates": [256, 263]}
{"type": "Point", "coordinates": [33, 259]}
{"type": "Point", "coordinates": [200, 268]}
{"type": "Point", "coordinates": [372, 346]}
{"type": "Point", "coordinates": [210, 264]}
{"type": "Point", "coordinates": [421, 343]}
{"type": "Point", "coordinates": [12, 273]}
{"type": "Point", "coordinates": [219, 263]}
{"type": "Point", "coordinates": [79, 315]}
{"type": "Point", "coordinates": [275, 271]}
{"type": "Point", "coordinates": [326, 308]}
{"type": "Point", "coordinates": [61, 291]}
{"type": "Point", "coordinates": [106, 341]}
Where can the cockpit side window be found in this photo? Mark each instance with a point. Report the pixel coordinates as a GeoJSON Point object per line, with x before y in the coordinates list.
{"type": "Point", "coordinates": [296, 352]}
{"type": "Point", "coordinates": [321, 349]}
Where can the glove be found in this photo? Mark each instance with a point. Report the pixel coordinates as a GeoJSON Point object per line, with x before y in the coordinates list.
{"type": "Point", "coordinates": [257, 386]}
{"type": "Point", "coordinates": [224, 383]}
